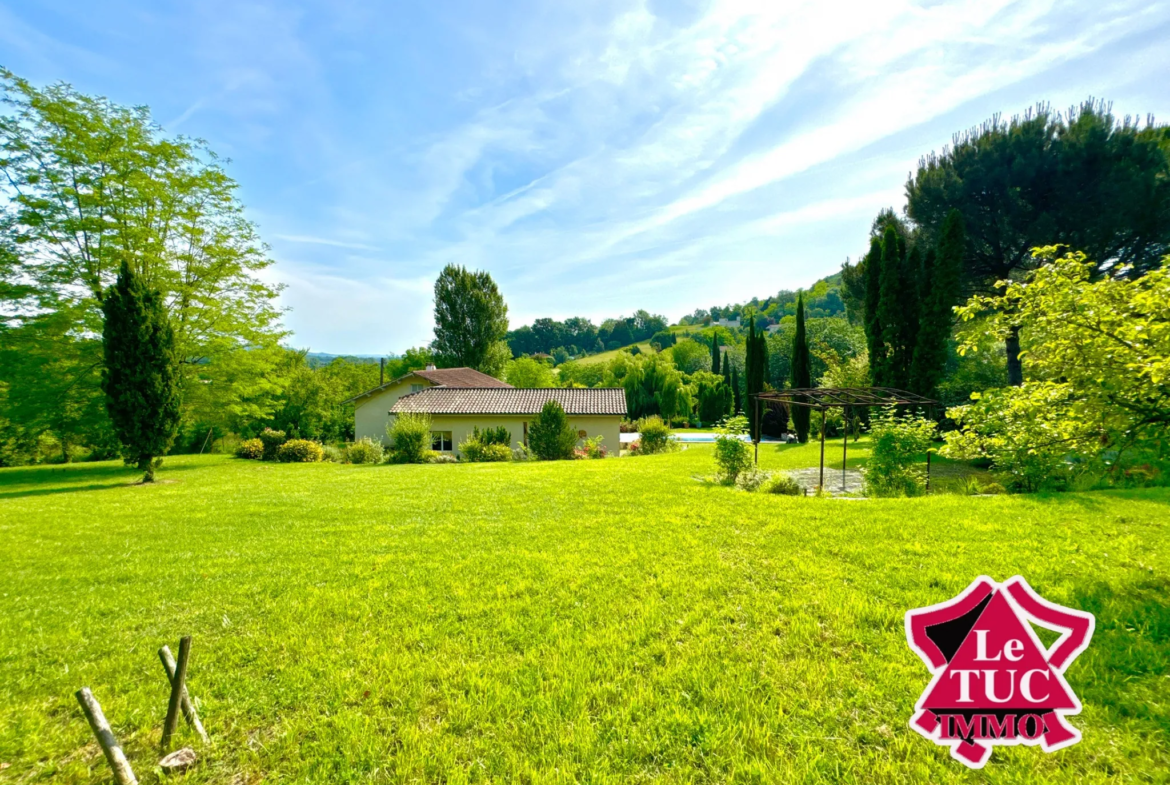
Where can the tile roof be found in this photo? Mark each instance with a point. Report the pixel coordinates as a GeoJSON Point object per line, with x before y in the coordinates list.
{"type": "Point", "coordinates": [451, 400]}
{"type": "Point", "coordinates": [445, 377]}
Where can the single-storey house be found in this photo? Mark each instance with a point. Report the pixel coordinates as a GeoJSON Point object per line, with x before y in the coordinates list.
{"type": "Point", "coordinates": [461, 399]}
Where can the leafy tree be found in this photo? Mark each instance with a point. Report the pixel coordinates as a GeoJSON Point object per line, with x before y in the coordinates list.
{"type": "Point", "coordinates": [141, 375]}
{"type": "Point", "coordinates": [471, 320]}
{"type": "Point", "coordinates": [87, 183]}
{"type": "Point", "coordinates": [310, 402]}
{"type": "Point", "coordinates": [713, 398]}
{"type": "Point", "coordinates": [550, 437]}
{"type": "Point", "coordinates": [663, 339]}
{"type": "Point", "coordinates": [801, 372]}
{"type": "Point", "coordinates": [528, 373]}
{"type": "Point", "coordinates": [897, 313]}
{"type": "Point", "coordinates": [737, 396]}
{"type": "Point", "coordinates": [1083, 180]}
{"type": "Point", "coordinates": [1100, 354]}
{"type": "Point", "coordinates": [873, 295]}
{"type": "Point", "coordinates": [581, 374]}
{"type": "Point", "coordinates": [689, 356]}
{"type": "Point", "coordinates": [939, 285]}
{"type": "Point", "coordinates": [715, 354]}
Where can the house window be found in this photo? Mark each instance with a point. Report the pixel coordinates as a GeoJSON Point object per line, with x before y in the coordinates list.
{"type": "Point", "coordinates": [441, 441]}
{"type": "Point", "coordinates": [581, 434]}
{"type": "Point", "coordinates": [415, 387]}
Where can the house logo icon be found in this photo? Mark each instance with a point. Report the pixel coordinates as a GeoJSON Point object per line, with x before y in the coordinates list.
{"type": "Point", "coordinates": [994, 680]}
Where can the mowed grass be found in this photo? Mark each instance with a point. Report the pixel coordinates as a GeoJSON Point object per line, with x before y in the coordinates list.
{"type": "Point", "coordinates": [602, 621]}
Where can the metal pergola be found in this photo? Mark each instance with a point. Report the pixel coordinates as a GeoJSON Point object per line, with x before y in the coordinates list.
{"type": "Point", "coordinates": [825, 398]}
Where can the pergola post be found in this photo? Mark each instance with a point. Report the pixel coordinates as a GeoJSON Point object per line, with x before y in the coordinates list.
{"type": "Point", "coordinates": [756, 435]}
{"type": "Point", "coordinates": [844, 448]}
{"type": "Point", "coordinates": [822, 448]}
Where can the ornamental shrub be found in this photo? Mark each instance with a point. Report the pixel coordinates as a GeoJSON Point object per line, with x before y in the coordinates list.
{"type": "Point", "coordinates": [299, 451]}
{"type": "Point", "coordinates": [410, 438]}
{"type": "Point", "coordinates": [896, 443]}
{"type": "Point", "coordinates": [550, 437]}
{"type": "Point", "coordinates": [752, 479]}
{"type": "Point", "coordinates": [364, 450]}
{"type": "Point", "coordinates": [475, 451]}
{"type": "Point", "coordinates": [497, 435]}
{"type": "Point", "coordinates": [332, 454]}
{"type": "Point", "coordinates": [252, 449]}
{"type": "Point", "coordinates": [782, 484]}
{"type": "Point", "coordinates": [592, 449]}
{"type": "Point", "coordinates": [272, 441]}
{"type": "Point", "coordinates": [655, 436]}
{"type": "Point", "coordinates": [431, 456]}
{"type": "Point", "coordinates": [732, 456]}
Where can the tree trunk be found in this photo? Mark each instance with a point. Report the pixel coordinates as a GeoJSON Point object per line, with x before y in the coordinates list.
{"type": "Point", "coordinates": [1015, 369]}
{"type": "Point", "coordinates": [146, 465]}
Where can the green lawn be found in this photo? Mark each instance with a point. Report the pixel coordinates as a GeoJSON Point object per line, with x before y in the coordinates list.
{"type": "Point", "coordinates": [603, 621]}
{"type": "Point", "coordinates": [604, 357]}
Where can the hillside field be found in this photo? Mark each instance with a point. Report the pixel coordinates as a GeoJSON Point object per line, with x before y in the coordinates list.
{"type": "Point", "coordinates": [592, 621]}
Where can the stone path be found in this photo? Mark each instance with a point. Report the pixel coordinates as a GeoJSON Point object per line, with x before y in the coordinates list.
{"type": "Point", "coordinates": [808, 479]}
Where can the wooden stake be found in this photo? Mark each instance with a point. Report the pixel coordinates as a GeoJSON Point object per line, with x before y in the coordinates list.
{"type": "Point", "coordinates": [105, 737]}
{"type": "Point", "coordinates": [185, 703]}
{"type": "Point", "coordinates": [178, 684]}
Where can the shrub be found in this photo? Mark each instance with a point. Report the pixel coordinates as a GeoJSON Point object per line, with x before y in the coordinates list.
{"type": "Point", "coordinates": [498, 435]}
{"type": "Point", "coordinates": [896, 443]}
{"type": "Point", "coordinates": [331, 454]}
{"type": "Point", "coordinates": [993, 488]}
{"type": "Point", "coordinates": [783, 485]}
{"type": "Point", "coordinates": [475, 451]}
{"type": "Point", "coordinates": [732, 456]}
{"type": "Point", "coordinates": [252, 449]}
{"type": "Point", "coordinates": [272, 441]}
{"type": "Point", "coordinates": [550, 437]}
{"type": "Point", "coordinates": [364, 450]}
{"type": "Point", "coordinates": [410, 437]}
{"type": "Point", "coordinates": [655, 436]}
{"type": "Point", "coordinates": [628, 426]}
{"type": "Point", "coordinates": [299, 451]}
{"type": "Point", "coordinates": [430, 456]}
{"type": "Point", "coordinates": [592, 449]}
{"type": "Point", "coordinates": [752, 479]}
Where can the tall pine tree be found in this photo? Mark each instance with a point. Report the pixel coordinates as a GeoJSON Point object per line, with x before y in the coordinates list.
{"type": "Point", "coordinates": [140, 380]}
{"type": "Point", "coordinates": [715, 353]}
{"type": "Point", "coordinates": [873, 291]}
{"type": "Point", "coordinates": [755, 372]}
{"type": "Point", "coordinates": [801, 371]}
{"type": "Point", "coordinates": [940, 292]}
{"type": "Point", "coordinates": [732, 377]}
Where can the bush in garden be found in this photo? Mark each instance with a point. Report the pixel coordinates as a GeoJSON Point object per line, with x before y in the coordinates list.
{"type": "Point", "coordinates": [592, 449]}
{"type": "Point", "coordinates": [896, 443]}
{"type": "Point", "coordinates": [752, 479]}
{"type": "Point", "coordinates": [410, 438]}
{"type": "Point", "coordinates": [252, 449]}
{"type": "Point", "coordinates": [655, 436]}
{"type": "Point", "coordinates": [475, 451]}
{"type": "Point", "coordinates": [430, 456]}
{"type": "Point", "coordinates": [272, 441]}
{"type": "Point", "coordinates": [299, 451]}
{"type": "Point", "coordinates": [550, 437]}
{"type": "Point", "coordinates": [332, 454]}
{"type": "Point", "coordinates": [497, 435]}
{"type": "Point", "coordinates": [364, 450]}
{"type": "Point", "coordinates": [783, 485]}
{"type": "Point", "coordinates": [732, 455]}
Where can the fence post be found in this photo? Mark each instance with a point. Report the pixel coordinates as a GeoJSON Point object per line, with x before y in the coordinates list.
{"type": "Point", "coordinates": [105, 738]}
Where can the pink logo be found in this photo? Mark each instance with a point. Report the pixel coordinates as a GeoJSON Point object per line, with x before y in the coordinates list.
{"type": "Point", "coordinates": [994, 681]}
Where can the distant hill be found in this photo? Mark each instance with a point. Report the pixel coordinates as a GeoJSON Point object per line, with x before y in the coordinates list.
{"type": "Point", "coordinates": [317, 359]}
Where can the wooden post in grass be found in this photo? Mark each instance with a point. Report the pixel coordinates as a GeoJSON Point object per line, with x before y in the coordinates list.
{"type": "Point", "coordinates": [185, 702]}
{"type": "Point", "coordinates": [123, 774]}
{"type": "Point", "coordinates": [844, 447]}
{"type": "Point", "coordinates": [178, 684]}
{"type": "Point", "coordinates": [928, 468]}
{"type": "Point", "coordinates": [759, 430]}
{"type": "Point", "coordinates": [822, 486]}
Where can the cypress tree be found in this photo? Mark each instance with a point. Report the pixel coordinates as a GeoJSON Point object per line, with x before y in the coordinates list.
{"type": "Point", "coordinates": [733, 380]}
{"type": "Point", "coordinates": [715, 353]}
{"type": "Point", "coordinates": [755, 372]}
{"type": "Point", "coordinates": [873, 287]}
{"type": "Point", "coordinates": [801, 371]}
{"type": "Point", "coordinates": [884, 363]}
{"type": "Point", "coordinates": [940, 294]}
{"type": "Point", "coordinates": [140, 380]}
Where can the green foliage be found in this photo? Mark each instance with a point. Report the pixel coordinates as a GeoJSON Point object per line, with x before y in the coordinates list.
{"type": "Point", "coordinates": [593, 448]}
{"type": "Point", "coordinates": [801, 372]}
{"type": "Point", "coordinates": [140, 379]}
{"type": "Point", "coordinates": [471, 320]}
{"type": "Point", "coordinates": [474, 450]}
{"type": "Point", "coordinates": [578, 374]}
{"type": "Point", "coordinates": [497, 435]}
{"type": "Point", "coordinates": [410, 437]}
{"type": "Point", "coordinates": [87, 184]}
{"type": "Point", "coordinates": [310, 404]}
{"type": "Point", "coordinates": [715, 355]}
{"type": "Point", "coordinates": [898, 441]}
{"type": "Point", "coordinates": [939, 292]}
{"type": "Point", "coordinates": [755, 373]}
{"type": "Point", "coordinates": [690, 356]}
{"type": "Point", "coordinates": [364, 451]}
{"type": "Point", "coordinates": [299, 451]}
{"type": "Point", "coordinates": [529, 374]}
{"type": "Point", "coordinates": [550, 437]}
{"type": "Point", "coordinates": [654, 436]}
{"type": "Point", "coordinates": [664, 339]}
{"type": "Point", "coordinates": [1100, 352]}
{"type": "Point", "coordinates": [713, 398]}
{"type": "Point", "coordinates": [252, 449]}
{"type": "Point", "coordinates": [732, 456]}
{"type": "Point", "coordinates": [653, 386]}
{"type": "Point", "coordinates": [752, 479]}
{"type": "Point", "coordinates": [782, 484]}
{"type": "Point", "coordinates": [272, 440]}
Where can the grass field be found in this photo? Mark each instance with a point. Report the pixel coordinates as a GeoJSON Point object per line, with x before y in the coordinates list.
{"type": "Point", "coordinates": [602, 621]}
{"type": "Point", "coordinates": [604, 357]}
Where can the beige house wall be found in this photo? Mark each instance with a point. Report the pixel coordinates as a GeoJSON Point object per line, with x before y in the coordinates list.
{"type": "Point", "coordinates": [461, 426]}
{"type": "Point", "coordinates": [372, 414]}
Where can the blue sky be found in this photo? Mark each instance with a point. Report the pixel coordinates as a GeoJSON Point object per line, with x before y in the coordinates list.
{"type": "Point", "coordinates": [595, 157]}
